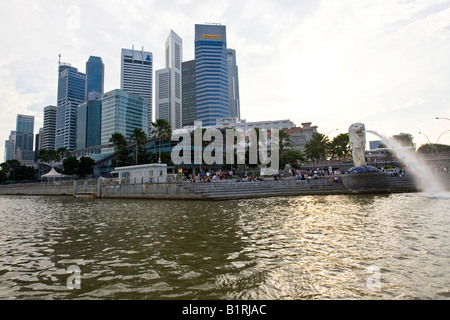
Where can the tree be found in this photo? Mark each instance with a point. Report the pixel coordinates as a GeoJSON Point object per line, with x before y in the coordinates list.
{"type": "Point", "coordinates": [15, 171]}
{"type": "Point", "coordinates": [340, 148]}
{"type": "Point", "coordinates": [140, 139]}
{"type": "Point", "coordinates": [48, 156]}
{"type": "Point", "coordinates": [317, 148]}
{"type": "Point", "coordinates": [63, 153]}
{"type": "Point", "coordinates": [284, 140]}
{"type": "Point", "coordinates": [161, 131]}
{"type": "Point", "coordinates": [292, 157]}
{"type": "Point", "coordinates": [85, 166]}
{"type": "Point", "coordinates": [120, 144]}
{"type": "Point", "coordinates": [431, 148]}
{"type": "Point", "coordinates": [70, 165]}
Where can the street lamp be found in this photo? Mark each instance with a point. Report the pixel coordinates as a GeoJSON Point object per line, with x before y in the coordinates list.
{"type": "Point", "coordinates": [331, 132]}
{"type": "Point", "coordinates": [429, 142]}
{"type": "Point", "coordinates": [441, 135]}
{"type": "Point", "coordinates": [442, 118]}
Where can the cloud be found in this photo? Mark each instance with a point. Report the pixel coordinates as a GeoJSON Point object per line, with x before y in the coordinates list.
{"type": "Point", "coordinates": [329, 62]}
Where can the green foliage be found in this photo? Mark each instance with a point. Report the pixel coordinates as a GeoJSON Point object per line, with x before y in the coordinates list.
{"type": "Point", "coordinates": [292, 157]}
{"type": "Point", "coordinates": [433, 148]}
{"type": "Point", "coordinates": [13, 170]}
{"type": "Point", "coordinates": [317, 148]}
{"type": "Point", "coordinates": [161, 131]}
{"type": "Point", "coordinates": [339, 148]}
{"type": "Point", "coordinates": [85, 167]}
{"type": "Point", "coordinates": [139, 137]}
{"type": "Point", "coordinates": [120, 144]}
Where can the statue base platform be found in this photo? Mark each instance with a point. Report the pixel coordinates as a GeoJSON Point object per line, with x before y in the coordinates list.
{"type": "Point", "coordinates": [367, 182]}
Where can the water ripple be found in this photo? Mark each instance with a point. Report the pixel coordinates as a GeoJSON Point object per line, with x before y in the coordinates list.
{"type": "Point", "coordinates": [274, 248]}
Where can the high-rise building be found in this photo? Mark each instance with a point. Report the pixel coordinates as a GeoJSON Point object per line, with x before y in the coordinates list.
{"type": "Point", "coordinates": [95, 75]}
{"type": "Point", "coordinates": [49, 133]}
{"type": "Point", "coordinates": [122, 112]}
{"type": "Point", "coordinates": [188, 93]}
{"type": "Point", "coordinates": [9, 147]}
{"type": "Point", "coordinates": [233, 85]}
{"type": "Point", "coordinates": [168, 101]}
{"type": "Point", "coordinates": [137, 75]}
{"type": "Point", "coordinates": [89, 119]}
{"type": "Point", "coordinates": [71, 93]}
{"type": "Point", "coordinates": [38, 143]}
{"type": "Point", "coordinates": [211, 72]}
{"type": "Point", "coordinates": [23, 146]}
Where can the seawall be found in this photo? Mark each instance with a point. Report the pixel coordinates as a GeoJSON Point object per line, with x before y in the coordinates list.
{"type": "Point", "coordinates": [217, 190]}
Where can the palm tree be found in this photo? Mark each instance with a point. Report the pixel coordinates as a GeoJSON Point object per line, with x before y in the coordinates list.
{"type": "Point", "coordinates": [120, 143]}
{"type": "Point", "coordinates": [161, 131]}
{"type": "Point", "coordinates": [317, 148]}
{"type": "Point", "coordinates": [140, 138]}
{"type": "Point", "coordinates": [284, 140]}
{"type": "Point", "coordinates": [340, 147]}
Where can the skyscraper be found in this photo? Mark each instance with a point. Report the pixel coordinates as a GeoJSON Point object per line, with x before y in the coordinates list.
{"type": "Point", "coordinates": [49, 134]}
{"type": "Point", "coordinates": [71, 93]}
{"type": "Point", "coordinates": [137, 76]}
{"type": "Point", "coordinates": [9, 146]}
{"type": "Point", "coordinates": [95, 74]}
{"type": "Point", "coordinates": [122, 112]}
{"type": "Point", "coordinates": [188, 93]}
{"type": "Point", "coordinates": [23, 146]}
{"type": "Point", "coordinates": [168, 102]}
{"type": "Point", "coordinates": [89, 118]}
{"type": "Point", "coordinates": [211, 72]}
{"type": "Point", "coordinates": [233, 85]}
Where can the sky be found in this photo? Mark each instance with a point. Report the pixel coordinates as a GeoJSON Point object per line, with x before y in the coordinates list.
{"type": "Point", "coordinates": [385, 63]}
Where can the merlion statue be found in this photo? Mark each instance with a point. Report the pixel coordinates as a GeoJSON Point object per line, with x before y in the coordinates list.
{"type": "Point", "coordinates": [357, 139]}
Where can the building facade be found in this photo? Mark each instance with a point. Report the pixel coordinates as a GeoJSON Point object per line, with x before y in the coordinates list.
{"type": "Point", "coordinates": [49, 132]}
{"type": "Point", "coordinates": [24, 139]}
{"type": "Point", "coordinates": [168, 87]}
{"type": "Point", "coordinates": [9, 147]}
{"type": "Point", "coordinates": [211, 72]}
{"type": "Point", "coordinates": [122, 112]}
{"type": "Point", "coordinates": [95, 78]}
{"type": "Point", "coordinates": [233, 85]}
{"type": "Point", "coordinates": [137, 76]}
{"type": "Point", "coordinates": [71, 93]}
{"type": "Point", "coordinates": [300, 136]}
{"type": "Point", "coordinates": [189, 112]}
{"type": "Point", "coordinates": [89, 119]}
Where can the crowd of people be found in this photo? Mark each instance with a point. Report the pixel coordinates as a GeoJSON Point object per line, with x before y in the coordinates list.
{"type": "Point", "coordinates": [308, 175]}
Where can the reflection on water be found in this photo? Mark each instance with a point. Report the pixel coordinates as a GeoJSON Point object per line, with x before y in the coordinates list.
{"type": "Point", "coordinates": [315, 247]}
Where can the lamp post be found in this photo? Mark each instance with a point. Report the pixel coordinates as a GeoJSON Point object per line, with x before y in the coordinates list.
{"type": "Point", "coordinates": [442, 118]}
{"type": "Point", "coordinates": [331, 132]}
{"type": "Point", "coordinates": [441, 135]}
{"type": "Point", "coordinates": [429, 142]}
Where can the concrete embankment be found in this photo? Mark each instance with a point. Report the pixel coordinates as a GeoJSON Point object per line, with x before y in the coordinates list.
{"type": "Point", "coordinates": [217, 190]}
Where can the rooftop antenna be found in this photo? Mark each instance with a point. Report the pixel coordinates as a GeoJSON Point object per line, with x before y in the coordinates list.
{"type": "Point", "coordinates": [59, 61]}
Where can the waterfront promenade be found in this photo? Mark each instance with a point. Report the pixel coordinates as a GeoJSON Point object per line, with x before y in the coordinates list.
{"type": "Point", "coordinates": [216, 190]}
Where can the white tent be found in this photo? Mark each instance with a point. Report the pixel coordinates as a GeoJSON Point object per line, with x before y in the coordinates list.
{"type": "Point", "coordinates": [52, 174]}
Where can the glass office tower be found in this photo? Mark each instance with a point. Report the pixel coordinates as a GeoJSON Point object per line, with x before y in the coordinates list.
{"type": "Point", "coordinates": [71, 93]}
{"type": "Point", "coordinates": [24, 139]}
{"type": "Point", "coordinates": [122, 112]}
{"type": "Point", "coordinates": [89, 118]}
{"type": "Point", "coordinates": [188, 93]}
{"type": "Point", "coordinates": [211, 72]}
{"type": "Point", "coordinates": [95, 74]}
